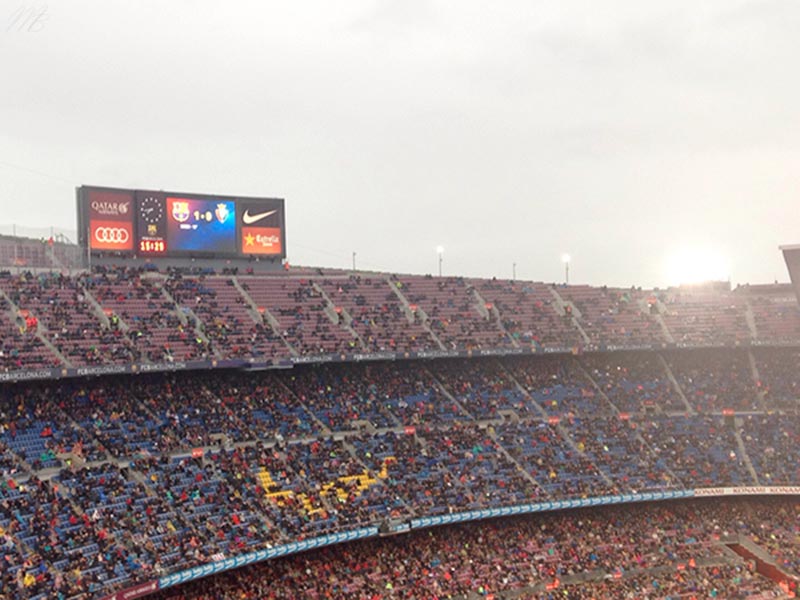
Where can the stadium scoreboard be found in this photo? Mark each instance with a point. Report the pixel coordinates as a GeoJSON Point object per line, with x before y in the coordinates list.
{"type": "Point", "coordinates": [170, 224]}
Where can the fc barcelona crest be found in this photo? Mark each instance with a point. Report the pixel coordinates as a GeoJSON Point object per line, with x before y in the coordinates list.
{"type": "Point", "coordinates": [180, 211]}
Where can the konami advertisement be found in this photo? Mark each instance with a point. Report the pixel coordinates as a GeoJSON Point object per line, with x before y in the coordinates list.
{"type": "Point", "coordinates": [110, 220]}
{"type": "Point", "coordinates": [201, 225]}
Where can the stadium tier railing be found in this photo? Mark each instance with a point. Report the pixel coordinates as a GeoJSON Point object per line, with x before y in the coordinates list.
{"type": "Point", "coordinates": [46, 373]}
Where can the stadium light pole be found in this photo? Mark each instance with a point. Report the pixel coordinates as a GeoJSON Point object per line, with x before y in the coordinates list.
{"type": "Point", "coordinates": [354, 261]}
{"type": "Point", "coordinates": [566, 258]}
{"type": "Point", "coordinates": [440, 252]}
{"type": "Point", "coordinates": [513, 271]}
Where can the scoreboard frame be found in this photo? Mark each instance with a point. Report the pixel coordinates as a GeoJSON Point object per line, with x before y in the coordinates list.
{"type": "Point", "coordinates": [158, 224]}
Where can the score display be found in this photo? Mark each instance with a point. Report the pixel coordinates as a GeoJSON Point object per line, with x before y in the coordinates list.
{"type": "Point", "coordinates": [164, 224]}
{"type": "Point", "coordinates": [201, 224]}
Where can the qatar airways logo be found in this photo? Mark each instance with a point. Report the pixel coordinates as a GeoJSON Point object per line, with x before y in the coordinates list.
{"type": "Point", "coordinates": [110, 209]}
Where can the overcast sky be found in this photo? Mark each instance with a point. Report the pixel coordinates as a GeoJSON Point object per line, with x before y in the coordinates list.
{"type": "Point", "coordinates": [622, 132]}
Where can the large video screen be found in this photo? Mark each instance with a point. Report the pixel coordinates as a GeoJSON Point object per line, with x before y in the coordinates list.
{"type": "Point", "coordinates": [156, 223]}
{"type": "Point", "coordinates": [201, 225]}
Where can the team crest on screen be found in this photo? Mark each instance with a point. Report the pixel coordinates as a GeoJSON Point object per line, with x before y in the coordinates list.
{"type": "Point", "coordinates": [180, 211]}
{"type": "Point", "coordinates": [222, 212]}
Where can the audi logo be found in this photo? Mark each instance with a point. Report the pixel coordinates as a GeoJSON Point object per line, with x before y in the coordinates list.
{"type": "Point", "coordinates": [111, 235]}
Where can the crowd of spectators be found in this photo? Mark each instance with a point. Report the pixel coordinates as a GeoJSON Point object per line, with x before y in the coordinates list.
{"type": "Point", "coordinates": [634, 382]}
{"type": "Point", "coordinates": [378, 315]}
{"type": "Point", "coordinates": [530, 312]}
{"type": "Point", "coordinates": [772, 442]}
{"type": "Point", "coordinates": [698, 450]}
{"type": "Point", "coordinates": [777, 316]}
{"type": "Point", "coordinates": [675, 550]}
{"type": "Point", "coordinates": [615, 445]}
{"type": "Point", "coordinates": [715, 380]}
{"type": "Point", "coordinates": [455, 313]}
{"type": "Point", "coordinates": [484, 388]}
{"type": "Point", "coordinates": [776, 528]}
{"type": "Point", "coordinates": [62, 308]}
{"type": "Point", "coordinates": [20, 347]}
{"type": "Point", "coordinates": [614, 317]}
{"type": "Point", "coordinates": [304, 319]}
{"type": "Point", "coordinates": [559, 386]}
{"type": "Point", "coordinates": [129, 315]}
{"type": "Point", "coordinates": [779, 377]}
{"type": "Point", "coordinates": [140, 476]}
{"type": "Point", "coordinates": [383, 395]}
{"type": "Point", "coordinates": [554, 460]}
{"type": "Point", "coordinates": [153, 324]}
{"type": "Point", "coordinates": [706, 317]}
{"type": "Point", "coordinates": [110, 481]}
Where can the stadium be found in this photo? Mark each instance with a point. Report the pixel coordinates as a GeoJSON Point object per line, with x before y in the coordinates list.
{"type": "Point", "coordinates": [399, 300]}
{"type": "Point", "coordinates": [182, 418]}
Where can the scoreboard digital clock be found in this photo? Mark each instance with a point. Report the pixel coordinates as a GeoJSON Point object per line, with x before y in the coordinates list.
{"type": "Point", "coordinates": [151, 223]}
{"type": "Point", "coordinates": [167, 224]}
{"type": "Point", "coordinates": [152, 246]}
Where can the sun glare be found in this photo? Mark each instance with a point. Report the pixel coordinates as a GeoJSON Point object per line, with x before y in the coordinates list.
{"type": "Point", "coordinates": [695, 265]}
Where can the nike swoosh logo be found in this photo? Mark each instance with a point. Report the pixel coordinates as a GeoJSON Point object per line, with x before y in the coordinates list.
{"type": "Point", "coordinates": [249, 219]}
